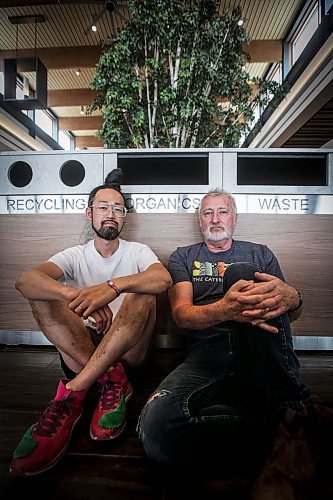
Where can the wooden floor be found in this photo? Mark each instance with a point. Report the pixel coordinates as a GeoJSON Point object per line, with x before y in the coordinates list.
{"type": "Point", "coordinates": [116, 470]}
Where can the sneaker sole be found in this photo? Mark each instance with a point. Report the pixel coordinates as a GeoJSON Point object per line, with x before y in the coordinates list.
{"type": "Point", "coordinates": [120, 430]}
{"type": "Point", "coordinates": [54, 461]}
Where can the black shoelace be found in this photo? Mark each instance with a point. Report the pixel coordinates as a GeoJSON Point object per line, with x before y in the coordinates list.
{"type": "Point", "coordinates": [110, 395]}
{"type": "Point", "coordinates": [52, 418]}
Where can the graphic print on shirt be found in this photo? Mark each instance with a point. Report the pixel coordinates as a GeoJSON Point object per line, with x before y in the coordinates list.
{"type": "Point", "coordinates": [207, 279]}
{"type": "Point", "coordinates": [202, 270]}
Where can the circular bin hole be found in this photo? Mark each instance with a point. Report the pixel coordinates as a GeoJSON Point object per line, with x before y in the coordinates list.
{"type": "Point", "coordinates": [20, 174]}
{"type": "Point", "coordinates": [72, 173]}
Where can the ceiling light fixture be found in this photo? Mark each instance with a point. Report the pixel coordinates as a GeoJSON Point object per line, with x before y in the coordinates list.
{"type": "Point", "coordinates": [93, 25]}
{"type": "Point", "coordinates": [94, 22]}
{"type": "Point", "coordinates": [78, 72]}
{"type": "Point", "coordinates": [82, 110]}
{"type": "Point", "coordinates": [111, 7]}
{"type": "Point", "coordinates": [17, 67]}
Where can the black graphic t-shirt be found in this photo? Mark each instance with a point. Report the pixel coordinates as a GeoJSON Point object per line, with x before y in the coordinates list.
{"type": "Point", "coordinates": [205, 270]}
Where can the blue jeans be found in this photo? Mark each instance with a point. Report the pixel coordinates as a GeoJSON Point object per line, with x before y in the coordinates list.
{"type": "Point", "coordinates": [227, 394]}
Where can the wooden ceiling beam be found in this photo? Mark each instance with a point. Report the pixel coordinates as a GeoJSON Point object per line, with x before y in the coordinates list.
{"type": "Point", "coordinates": [88, 141]}
{"type": "Point", "coordinates": [80, 123]}
{"type": "Point", "coordinates": [261, 51]}
{"type": "Point", "coordinates": [70, 97]}
{"type": "Point", "coordinates": [84, 97]}
{"type": "Point", "coordinates": [59, 57]}
{"type": "Point", "coordinates": [88, 56]}
{"type": "Point", "coordinates": [26, 3]}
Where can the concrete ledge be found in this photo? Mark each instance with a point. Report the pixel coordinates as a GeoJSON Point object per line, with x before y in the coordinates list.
{"type": "Point", "coordinates": [310, 343]}
{"type": "Point", "coordinates": [28, 337]}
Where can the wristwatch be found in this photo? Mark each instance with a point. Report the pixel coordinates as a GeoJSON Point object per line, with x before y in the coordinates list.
{"type": "Point", "coordinates": [300, 303]}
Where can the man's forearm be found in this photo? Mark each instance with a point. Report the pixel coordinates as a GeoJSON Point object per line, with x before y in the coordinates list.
{"type": "Point", "coordinates": [153, 281]}
{"type": "Point", "coordinates": [199, 317]}
{"type": "Point", "coordinates": [35, 285]}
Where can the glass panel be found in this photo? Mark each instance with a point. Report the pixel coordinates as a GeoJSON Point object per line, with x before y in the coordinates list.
{"type": "Point", "coordinates": [64, 140]}
{"type": "Point", "coordinates": [44, 121]}
{"type": "Point", "coordinates": [328, 5]}
{"type": "Point", "coordinates": [304, 35]}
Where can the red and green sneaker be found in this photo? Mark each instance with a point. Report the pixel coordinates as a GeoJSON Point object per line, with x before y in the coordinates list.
{"type": "Point", "coordinates": [45, 442]}
{"type": "Point", "coordinates": [109, 418]}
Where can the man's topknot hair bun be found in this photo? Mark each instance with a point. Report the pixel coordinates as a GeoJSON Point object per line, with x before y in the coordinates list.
{"type": "Point", "coordinates": [112, 181]}
{"type": "Point", "coordinates": [114, 178]}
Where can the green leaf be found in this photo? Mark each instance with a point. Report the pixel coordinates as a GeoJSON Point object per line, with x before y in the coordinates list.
{"type": "Point", "coordinates": [177, 59]}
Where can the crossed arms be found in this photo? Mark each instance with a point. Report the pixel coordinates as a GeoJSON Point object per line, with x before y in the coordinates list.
{"type": "Point", "coordinates": [41, 283]}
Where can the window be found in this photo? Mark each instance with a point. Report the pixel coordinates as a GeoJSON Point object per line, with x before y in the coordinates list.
{"type": "Point", "coordinates": [328, 5]}
{"type": "Point", "coordinates": [65, 140]}
{"type": "Point", "coordinates": [304, 33]}
{"type": "Point", "coordinates": [44, 120]}
{"type": "Point", "coordinates": [275, 74]}
{"type": "Point", "coordinates": [22, 91]}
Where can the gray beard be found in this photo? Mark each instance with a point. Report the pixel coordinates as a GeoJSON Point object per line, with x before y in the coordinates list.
{"type": "Point", "coordinates": [225, 235]}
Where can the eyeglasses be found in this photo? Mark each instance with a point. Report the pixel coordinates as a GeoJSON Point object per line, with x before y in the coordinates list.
{"type": "Point", "coordinates": [104, 209]}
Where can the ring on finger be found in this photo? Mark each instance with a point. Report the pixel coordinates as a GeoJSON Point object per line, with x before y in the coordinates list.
{"type": "Point", "coordinates": [267, 309]}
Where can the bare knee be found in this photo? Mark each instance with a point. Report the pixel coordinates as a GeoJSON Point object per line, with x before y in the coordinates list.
{"type": "Point", "coordinates": [138, 311]}
{"type": "Point", "coordinates": [49, 313]}
{"type": "Point", "coordinates": [139, 300]}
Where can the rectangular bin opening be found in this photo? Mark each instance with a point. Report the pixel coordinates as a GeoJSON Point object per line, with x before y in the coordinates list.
{"type": "Point", "coordinates": [282, 170]}
{"type": "Point", "coordinates": [164, 170]}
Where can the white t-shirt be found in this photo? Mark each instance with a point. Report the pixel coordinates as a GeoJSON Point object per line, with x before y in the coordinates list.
{"type": "Point", "coordinates": [82, 265]}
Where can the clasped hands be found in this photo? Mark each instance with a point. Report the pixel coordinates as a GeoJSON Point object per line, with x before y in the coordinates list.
{"type": "Point", "coordinates": [257, 302]}
{"type": "Point", "coordinates": [92, 301]}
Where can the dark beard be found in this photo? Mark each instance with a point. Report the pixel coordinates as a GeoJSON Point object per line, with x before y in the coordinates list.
{"type": "Point", "coordinates": [107, 233]}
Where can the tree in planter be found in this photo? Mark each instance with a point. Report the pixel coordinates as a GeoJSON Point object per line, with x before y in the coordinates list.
{"type": "Point", "coordinates": [175, 77]}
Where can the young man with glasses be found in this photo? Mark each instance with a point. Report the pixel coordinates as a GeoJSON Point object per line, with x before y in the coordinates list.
{"type": "Point", "coordinates": [96, 304]}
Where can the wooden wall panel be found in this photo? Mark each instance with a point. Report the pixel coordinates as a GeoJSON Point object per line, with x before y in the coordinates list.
{"type": "Point", "coordinates": [302, 243]}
